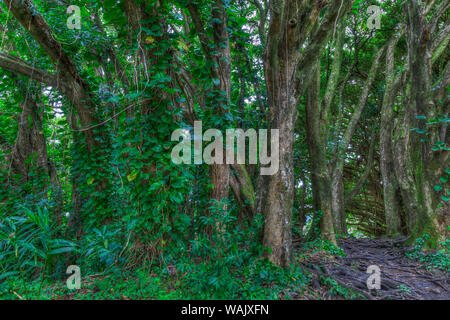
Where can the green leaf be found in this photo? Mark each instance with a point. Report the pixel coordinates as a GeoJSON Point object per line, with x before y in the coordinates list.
{"type": "Point", "coordinates": [156, 186]}
{"type": "Point", "coordinates": [8, 274]}
{"type": "Point", "coordinates": [438, 187]}
{"type": "Point", "coordinates": [61, 250]}
{"type": "Point", "coordinates": [176, 197]}
{"type": "Point", "coordinates": [132, 176]}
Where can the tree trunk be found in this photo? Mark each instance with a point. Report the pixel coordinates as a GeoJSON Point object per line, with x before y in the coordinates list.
{"type": "Point", "coordinates": [425, 164]}
{"type": "Point", "coordinates": [220, 69]}
{"type": "Point", "coordinates": [337, 205]}
{"type": "Point", "coordinates": [30, 141]}
{"type": "Point", "coordinates": [242, 187]}
{"type": "Point", "coordinates": [337, 202]}
{"type": "Point", "coordinates": [317, 153]}
{"type": "Point", "coordinates": [288, 64]}
{"type": "Point", "coordinates": [390, 184]}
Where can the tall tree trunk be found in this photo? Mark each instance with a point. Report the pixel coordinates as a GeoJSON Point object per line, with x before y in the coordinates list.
{"type": "Point", "coordinates": [220, 69]}
{"type": "Point", "coordinates": [425, 164]}
{"type": "Point", "coordinates": [338, 205]}
{"type": "Point", "coordinates": [242, 186]}
{"type": "Point", "coordinates": [288, 64]}
{"type": "Point", "coordinates": [30, 141]}
{"type": "Point", "coordinates": [317, 153]}
{"type": "Point", "coordinates": [337, 201]}
{"type": "Point", "coordinates": [390, 185]}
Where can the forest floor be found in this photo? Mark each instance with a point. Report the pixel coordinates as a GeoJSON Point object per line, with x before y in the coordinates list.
{"type": "Point", "coordinates": [346, 274]}
{"type": "Point", "coordinates": [326, 272]}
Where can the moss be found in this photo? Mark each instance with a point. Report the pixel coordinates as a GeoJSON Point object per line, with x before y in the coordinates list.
{"type": "Point", "coordinates": [423, 226]}
{"type": "Point", "coordinates": [424, 219]}
{"type": "Point", "coordinates": [247, 189]}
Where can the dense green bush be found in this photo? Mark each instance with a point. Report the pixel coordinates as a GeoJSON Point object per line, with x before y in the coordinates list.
{"type": "Point", "coordinates": [30, 245]}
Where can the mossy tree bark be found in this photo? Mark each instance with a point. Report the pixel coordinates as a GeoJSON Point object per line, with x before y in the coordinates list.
{"type": "Point", "coordinates": [392, 200]}
{"type": "Point", "coordinates": [426, 164]}
{"type": "Point", "coordinates": [418, 164]}
{"type": "Point", "coordinates": [320, 177]}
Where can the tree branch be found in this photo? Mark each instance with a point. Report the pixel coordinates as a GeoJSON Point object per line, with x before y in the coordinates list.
{"type": "Point", "coordinates": [16, 65]}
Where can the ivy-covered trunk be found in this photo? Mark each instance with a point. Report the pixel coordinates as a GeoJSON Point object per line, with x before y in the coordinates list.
{"type": "Point", "coordinates": [217, 51]}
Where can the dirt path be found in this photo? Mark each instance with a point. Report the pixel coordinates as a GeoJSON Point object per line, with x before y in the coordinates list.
{"type": "Point", "coordinates": [401, 278]}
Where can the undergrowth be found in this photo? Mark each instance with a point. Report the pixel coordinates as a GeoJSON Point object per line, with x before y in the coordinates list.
{"type": "Point", "coordinates": [439, 259]}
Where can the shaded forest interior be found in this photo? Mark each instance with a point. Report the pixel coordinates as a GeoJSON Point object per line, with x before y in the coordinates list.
{"type": "Point", "coordinates": [93, 94]}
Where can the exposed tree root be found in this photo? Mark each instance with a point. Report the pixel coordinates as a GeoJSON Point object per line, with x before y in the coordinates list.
{"type": "Point", "coordinates": [401, 278]}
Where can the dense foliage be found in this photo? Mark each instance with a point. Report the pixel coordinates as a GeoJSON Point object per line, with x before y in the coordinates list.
{"type": "Point", "coordinates": [87, 115]}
